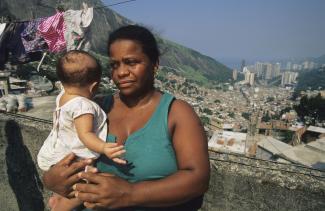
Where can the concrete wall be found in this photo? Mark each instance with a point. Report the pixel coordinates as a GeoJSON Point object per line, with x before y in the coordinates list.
{"type": "Point", "coordinates": [20, 184]}
{"type": "Point", "coordinates": [237, 183]}
{"type": "Point", "coordinates": [241, 183]}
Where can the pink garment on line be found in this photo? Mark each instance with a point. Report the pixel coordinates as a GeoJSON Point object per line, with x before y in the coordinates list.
{"type": "Point", "coordinates": [52, 30]}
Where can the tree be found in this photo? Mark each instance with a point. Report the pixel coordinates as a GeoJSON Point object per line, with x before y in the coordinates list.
{"type": "Point", "coordinates": [266, 118]}
{"type": "Point", "coordinates": [311, 109]}
{"type": "Point", "coordinates": [246, 115]}
{"type": "Point", "coordinates": [207, 111]}
{"type": "Point", "coordinates": [199, 98]}
{"type": "Point", "coordinates": [205, 120]}
{"type": "Point", "coordinates": [269, 99]}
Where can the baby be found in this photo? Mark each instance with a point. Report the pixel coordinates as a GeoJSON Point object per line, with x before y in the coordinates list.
{"type": "Point", "coordinates": [79, 124]}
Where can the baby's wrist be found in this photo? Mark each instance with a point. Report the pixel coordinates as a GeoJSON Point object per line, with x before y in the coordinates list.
{"type": "Point", "coordinates": [102, 148]}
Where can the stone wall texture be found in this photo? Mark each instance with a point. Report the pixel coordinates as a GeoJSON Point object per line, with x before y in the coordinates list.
{"type": "Point", "coordinates": [237, 182]}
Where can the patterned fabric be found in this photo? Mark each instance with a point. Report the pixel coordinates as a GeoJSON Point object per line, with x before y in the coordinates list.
{"type": "Point", "coordinates": [32, 39]}
{"type": "Point", "coordinates": [52, 30]}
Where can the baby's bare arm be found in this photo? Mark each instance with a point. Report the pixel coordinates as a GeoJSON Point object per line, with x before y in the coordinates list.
{"type": "Point", "coordinates": [84, 127]}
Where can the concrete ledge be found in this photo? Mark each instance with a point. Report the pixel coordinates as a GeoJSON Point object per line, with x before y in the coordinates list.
{"type": "Point", "coordinates": [237, 182]}
{"type": "Point", "coordinates": [242, 183]}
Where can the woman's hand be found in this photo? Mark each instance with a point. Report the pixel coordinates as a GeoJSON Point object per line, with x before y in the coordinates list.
{"type": "Point", "coordinates": [62, 176]}
{"type": "Point", "coordinates": [103, 191]}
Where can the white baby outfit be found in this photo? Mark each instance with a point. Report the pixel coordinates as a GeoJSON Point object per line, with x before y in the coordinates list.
{"type": "Point", "coordinates": [63, 138]}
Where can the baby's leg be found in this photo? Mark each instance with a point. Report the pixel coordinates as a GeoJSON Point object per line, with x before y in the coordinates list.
{"type": "Point", "coordinates": [65, 204]}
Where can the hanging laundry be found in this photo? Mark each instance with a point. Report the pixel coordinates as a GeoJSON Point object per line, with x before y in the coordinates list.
{"type": "Point", "coordinates": [77, 34]}
{"type": "Point", "coordinates": [32, 40]}
{"type": "Point", "coordinates": [86, 19]}
{"type": "Point", "coordinates": [10, 42]}
{"type": "Point", "coordinates": [2, 27]}
{"type": "Point", "coordinates": [52, 30]}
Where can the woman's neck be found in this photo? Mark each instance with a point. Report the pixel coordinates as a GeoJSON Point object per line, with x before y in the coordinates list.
{"type": "Point", "coordinates": [138, 100]}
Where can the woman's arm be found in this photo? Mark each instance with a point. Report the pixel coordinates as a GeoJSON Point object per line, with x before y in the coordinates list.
{"type": "Point", "coordinates": [191, 149]}
{"type": "Point", "coordinates": [191, 180]}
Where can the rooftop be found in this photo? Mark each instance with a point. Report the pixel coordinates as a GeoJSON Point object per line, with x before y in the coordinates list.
{"type": "Point", "coordinates": [273, 145]}
{"type": "Point", "coordinates": [316, 129]}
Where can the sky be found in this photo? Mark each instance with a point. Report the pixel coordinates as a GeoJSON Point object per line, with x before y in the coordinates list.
{"type": "Point", "coordinates": [235, 29]}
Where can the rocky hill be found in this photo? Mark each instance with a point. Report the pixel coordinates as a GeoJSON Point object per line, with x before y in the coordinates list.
{"type": "Point", "coordinates": [311, 80]}
{"type": "Point", "coordinates": [320, 60]}
{"type": "Point", "coordinates": [186, 62]}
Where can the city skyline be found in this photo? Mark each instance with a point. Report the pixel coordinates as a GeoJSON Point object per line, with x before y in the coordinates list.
{"type": "Point", "coordinates": [233, 30]}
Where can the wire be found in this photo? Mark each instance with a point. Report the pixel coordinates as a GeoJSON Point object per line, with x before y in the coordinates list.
{"type": "Point", "coordinates": [48, 6]}
{"type": "Point", "coordinates": [110, 5]}
{"type": "Point", "coordinates": [100, 7]}
{"type": "Point", "coordinates": [295, 165]}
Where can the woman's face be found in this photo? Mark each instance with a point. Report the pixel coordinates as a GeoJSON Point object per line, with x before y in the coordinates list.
{"type": "Point", "coordinates": [132, 70]}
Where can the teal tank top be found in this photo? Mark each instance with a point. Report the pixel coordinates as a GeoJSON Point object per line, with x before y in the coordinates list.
{"type": "Point", "coordinates": [150, 155]}
{"type": "Point", "coordinates": [149, 150]}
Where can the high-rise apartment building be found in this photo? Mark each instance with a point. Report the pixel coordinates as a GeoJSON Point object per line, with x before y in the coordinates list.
{"type": "Point", "coordinates": [289, 66]}
{"type": "Point", "coordinates": [234, 74]}
{"type": "Point", "coordinates": [259, 67]}
{"type": "Point", "coordinates": [249, 77]}
{"type": "Point", "coordinates": [276, 69]}
{"type": "Point", "coordinates": [288, 78]}
{"type": "Point", "coordinates": [243, 64]}
{"type": "Point", "coordinates": [268, 72]}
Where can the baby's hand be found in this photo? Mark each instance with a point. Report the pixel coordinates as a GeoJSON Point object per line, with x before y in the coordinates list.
{"type": "Point", "coordinates": [114, 151]}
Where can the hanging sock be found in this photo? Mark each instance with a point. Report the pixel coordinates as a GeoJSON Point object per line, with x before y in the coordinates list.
{"type": "Point", "coordinates": [52, 30]}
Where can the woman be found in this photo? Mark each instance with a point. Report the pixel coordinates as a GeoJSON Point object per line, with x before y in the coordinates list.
{"type": "Point", "coordinates": [166, 147]}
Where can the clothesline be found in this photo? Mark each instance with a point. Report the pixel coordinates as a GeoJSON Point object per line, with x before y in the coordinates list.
{"type": "Point", "coordinates": [30, 40]}
{"type": "Point", "coordinates": [44, 5]}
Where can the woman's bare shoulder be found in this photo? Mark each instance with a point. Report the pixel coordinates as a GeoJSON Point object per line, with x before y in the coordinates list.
{"type": "Point", "coordinates": [181, 106]}
{"type": "Point", "coordinates": [182, 111]}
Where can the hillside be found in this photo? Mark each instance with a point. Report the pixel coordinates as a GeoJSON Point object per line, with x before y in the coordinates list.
{"type": "Point", "coordinates": [311, 80]}
{"type": "Point", "coordinates": [187, 62]}
{"type": "Point", "coordinates": [320, 60]}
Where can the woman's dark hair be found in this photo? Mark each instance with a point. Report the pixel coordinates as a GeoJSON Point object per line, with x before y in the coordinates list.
{"type": "Point", "coordinates": [139, 34]}
{"type": "Point", "coordinates": [72, 68]}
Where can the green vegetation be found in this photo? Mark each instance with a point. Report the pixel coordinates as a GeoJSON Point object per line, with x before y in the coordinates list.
{"type": "Point", "coordinates": [207, 111]}
{"type": "Point", "coordinates": [311, 109]}
{"type": "Point", "coordinates": [246, 115]}
{"type": "Point", "coordinates": [285, 110]}
{"type": "Point", "coordinates": [269, 99]}
{"type": "Point", "coordinates": [205, 120]}
{"type": "Point", "coordinates": [266, 118]}
{"type": "Point", "coordinates": [311, 80]}
{"type": "Point", "coordinates": [191, 64]}
{"type": "Point", "coordinates": [199, 98]}
{"type": "Point", "coordinates": [320, 60]}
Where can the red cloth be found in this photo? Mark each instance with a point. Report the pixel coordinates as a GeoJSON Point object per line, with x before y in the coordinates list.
{"type": "Point", "coordinates": [52, 30]}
